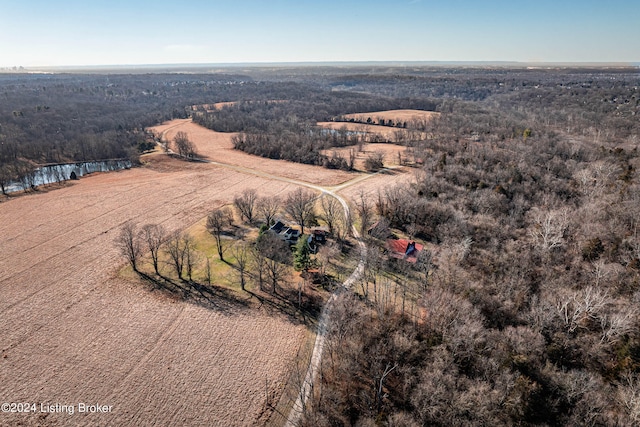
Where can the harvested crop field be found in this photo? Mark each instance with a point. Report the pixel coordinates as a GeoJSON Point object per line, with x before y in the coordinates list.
{"type": "Point", "coordinates": [395, 115]}
{"type": "Point", "coordinates": [73, 331]}
{"type": "Point", "coordinates": [220, 105]}
{"type": "Point", "coordinates": [379, 181]}
{"type": "Point", "coordinates": [217, 147]}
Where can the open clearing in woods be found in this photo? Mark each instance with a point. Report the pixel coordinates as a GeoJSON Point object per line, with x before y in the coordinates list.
{"type": "Point", "coordinates": [385, 132]}
{"type": "Point", "coordinates": [217, 146]}
{"type": "Point", "coordinates": [369, 123]}
{"type": "Point", "coordinates": [395, 115]}
{"type": "Point", "coordinates": [73, 331]}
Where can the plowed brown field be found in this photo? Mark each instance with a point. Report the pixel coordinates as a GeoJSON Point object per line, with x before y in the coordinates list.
{"type": "Point", "coordinates": [217, 146]}
{"type": "Point", "coordinates": [385, 132]}
{"type": "Point", "coordinates": [373, 183]}
{"type": "Point", "coordinates": [73, 332]}
{"type": "Point", "coordinates": [395, 115]}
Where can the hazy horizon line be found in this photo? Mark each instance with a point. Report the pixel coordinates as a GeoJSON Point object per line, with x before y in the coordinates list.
{"type": "Point", "coordinates": [633, 64]}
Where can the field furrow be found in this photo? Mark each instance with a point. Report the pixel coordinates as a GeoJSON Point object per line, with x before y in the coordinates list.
{"type": "Point", "coordinates": [73, 331]}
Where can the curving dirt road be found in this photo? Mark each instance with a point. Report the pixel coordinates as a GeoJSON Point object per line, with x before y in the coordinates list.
{"type": "Point", "coordinates": [75, 331]}
{"type": "Point", "coordinates": [325, 317]}
{"type": "Point", "coordinates": [316, 357]}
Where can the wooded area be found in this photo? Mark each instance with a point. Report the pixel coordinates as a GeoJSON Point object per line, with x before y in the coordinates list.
{"type": "Point", "coordinates": [523, 308]}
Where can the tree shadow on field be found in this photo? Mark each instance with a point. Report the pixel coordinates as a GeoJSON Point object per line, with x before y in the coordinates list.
{"type": "Point", "coordinates": [211, 297]}
{"type": "Point", "coordinates": [389, 172]}
{"type": "Point", "coordinates": [301, 309]}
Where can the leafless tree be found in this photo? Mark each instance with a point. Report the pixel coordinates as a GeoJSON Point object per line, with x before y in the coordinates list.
{"type": "Point", "coordinates": [246, 204]}
{"type": "Point", "coordinates": [343, 228]}
{"type": "Point", "coordinates": [382, 205]}
{"type": "Point", "coordinates": [27, 174]}
{"type": "Point", "coordinates": [463, 248]}
{"type": "Point", "coordinates": [154, 235]}
{"type": "Point", "coordinates": [6, 176]}
{"type": "Point", "coordinates": [352, 157]}
{"type": "Point", "coordinates": [595, 178]}
{"type": "Point", "coordinates": [381, 229]}
{"type": "Point", "coordinates": [184, 146]}
{"type": "Point", "coordinates": [577, 308]}
{"type": "Point", "coordinates": [176, 248]}
{"type": "Point", "coordinates": [129, 245]}
{"type": "Point", "coordinates": [258, 265]}
{"type": "Point", "coordinates": [277, 258]}
{"type": "Point", "coordinates": [387, 370]}
{"type": "Point", "coordinates": [217, 221]}
{"type": "Point", "coordinates": [331, 210]}
{"type": "Point", "coordinates": [629, 395]}
{"type": "Point", "coordinates": [207, 271]}
{"type": "Point", "coordinates": [425, 265]}
{"type": "Point", "coordinates": [191, 257]}
{"type": "Point", "coordinates": [374, 161]}
{"type": "Point", "coordinates": [268, 208]}
{"type": "Point", "coordinates": [241, 255]}
{"type": "Point", "coordinates": [548, 228]}
{"type": "Point", "coordinates": [365, 212]}
{"type": "Point", "coordinates": [325, 255]}
{"type": "Point", "coordinates": [374, 262]}
{"type": "Point", "coordinates": [299, 206]}
{"type": "Point", "coordinates": [618, 323]}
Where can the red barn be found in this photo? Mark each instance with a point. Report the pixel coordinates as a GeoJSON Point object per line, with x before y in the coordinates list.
{"type": "Point", "coordinates": [407, 250]}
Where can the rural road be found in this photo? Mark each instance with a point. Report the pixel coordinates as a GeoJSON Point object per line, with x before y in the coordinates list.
{"type": "Point", "coordinates": [325, 318]}
{"type": "Point", "coordinates": [316, 357]}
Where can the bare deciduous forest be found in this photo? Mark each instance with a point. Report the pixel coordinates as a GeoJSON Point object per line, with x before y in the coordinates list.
{"type": "Point", "coordinates": [524, 306]}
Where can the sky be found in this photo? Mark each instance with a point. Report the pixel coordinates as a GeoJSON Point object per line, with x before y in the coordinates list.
{"type": "Point", "coordinates": [129, 32]}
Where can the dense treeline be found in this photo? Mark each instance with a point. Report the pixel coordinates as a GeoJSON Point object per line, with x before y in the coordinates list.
{"type": "Point", "coordinates": [603, 104]}
{"type": "Point", "coordinates": [525, 307]}
{"type": "Point", "coordinates": [600, 105]}
{"type": "Point", "coordinates": [286, 128]}
{"type": "Point", "coordinates": [54, 118]}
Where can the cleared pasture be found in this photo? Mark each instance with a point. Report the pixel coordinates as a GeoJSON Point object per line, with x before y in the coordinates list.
{"type": "Point", "coordinates": [74, 331]}
{"type": "Point", "coordinates": [218, 147]}
{"type": "Point", "coordinates": [395, 115]}
{"type": "Point", "coordinates": [385, 132]}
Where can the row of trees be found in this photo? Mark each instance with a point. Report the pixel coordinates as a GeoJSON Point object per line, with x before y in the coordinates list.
{"type": "Point", "coordinates": [267, 261]}
{"type": "Point", "coordinates": [178, 251]}
{"type": "Point", "coordinates": [286, 129]}
{"type": "Point", "coordinates": [58, 118]}
{"type": "Point", "coordinates": [299, 206]}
